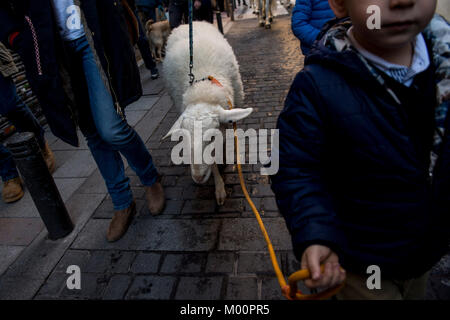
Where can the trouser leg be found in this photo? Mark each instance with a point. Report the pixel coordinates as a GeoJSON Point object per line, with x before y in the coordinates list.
{"type": "Point", "coordinates": [109, 134]}
{"type": "Point", "coordinates": [144, 46]}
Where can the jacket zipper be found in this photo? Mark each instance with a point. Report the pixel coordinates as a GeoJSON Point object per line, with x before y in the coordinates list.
{"type": "Point", "coordinates": [116, 101]}
{"type": "Point", "coordinates": [36, 45]}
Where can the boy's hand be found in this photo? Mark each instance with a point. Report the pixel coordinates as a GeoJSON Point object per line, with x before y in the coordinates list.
{"type": "Point", "coordinates": [316, 255]}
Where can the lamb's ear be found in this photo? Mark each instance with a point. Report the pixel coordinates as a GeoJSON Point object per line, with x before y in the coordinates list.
{"type": "Point", "coordinates": [176, 126]}
{"type": "Point", "coordinates": [233, 115]}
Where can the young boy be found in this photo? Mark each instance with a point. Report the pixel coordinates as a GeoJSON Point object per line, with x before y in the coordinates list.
{"type": "Point", "coordinates": [364, 173]}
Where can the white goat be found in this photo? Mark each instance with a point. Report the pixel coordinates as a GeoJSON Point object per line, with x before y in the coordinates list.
{"type": "Point", "coordinates": [204, 101]}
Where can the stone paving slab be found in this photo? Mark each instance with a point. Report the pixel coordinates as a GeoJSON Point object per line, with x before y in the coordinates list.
{"type": "Point", "coordinates": [24, 208]}
{"type": "Point", "coordinates": [19, 231]}
{"type": "Point", "coordinates": [133, 117]}
{"type": "Point", "coordinates": [258, 263]}
{"type": "Point", "coordinates": [220, 262]}
{"type": "Point", "coordinates": [72, 169]}
{"type": "Point", "coordinates": [8, 254]}
{"type": "Point", "coordinates": [146, 262]}
{"type": "Point", "coordinates": [244, 234]}
{"type": "Point", "coordinates": [150, 122]}
{"type": "Point", "coordinates": [242, 288]}
{"type": "Point", "coordinates": [59, 145]}
{"type": "Point", "coordinates": [18, 288]}
{"type": "Point", "coordinates": [151, 287]}
{"type": "Point", "coordinates": [183, 263]}
{"type": "Point", "coordinates": [42, 255]}
{"type": "Point", "coordinates": [145, 103]}
{"type": "Point", "coordinates": [199, 288]}
{"type": "Point", "coordinates": [152, 234]}
{"type": "Point", "coordinates": [94, 184]}
{"type": "Point", "coordinates": [68, 186]}
{"type": "Point", "coordinates": [117, 286]}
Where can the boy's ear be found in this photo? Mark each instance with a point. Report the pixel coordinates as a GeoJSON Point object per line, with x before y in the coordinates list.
{"type": "Point", "coordinates": [339, 8]}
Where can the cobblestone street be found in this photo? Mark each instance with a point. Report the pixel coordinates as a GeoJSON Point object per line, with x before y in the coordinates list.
{"type": "Point", "coordinates": [195, 249]}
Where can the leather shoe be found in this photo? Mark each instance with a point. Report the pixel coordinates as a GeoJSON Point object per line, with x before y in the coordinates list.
{"type": "Point", "coordinates": [155, 198]}
{"type": "Point", "coordinates": [120, 222]}
{"type": "Point", "coordinates": [12, 190]}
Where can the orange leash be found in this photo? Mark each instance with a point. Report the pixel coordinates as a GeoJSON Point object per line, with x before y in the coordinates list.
{"type": "Point", "coordinates": [290, 289]}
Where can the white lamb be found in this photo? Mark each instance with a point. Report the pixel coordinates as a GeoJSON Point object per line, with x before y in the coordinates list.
{"type": "Point", "coordinates": [204, 102]}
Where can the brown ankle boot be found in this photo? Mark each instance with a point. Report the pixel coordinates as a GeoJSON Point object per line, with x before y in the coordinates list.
{"type": "Point", "coordinates": [155, 198]}
{"type": "Point", "coordinates": [12, 190]}
{"type": "Point", "coordinates": [49, 158]}
{"type": "Point", "coordinates": [120, 222]}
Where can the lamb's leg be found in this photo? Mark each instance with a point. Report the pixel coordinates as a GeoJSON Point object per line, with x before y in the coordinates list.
{"type": "Point", "coordinates": [221, 194]}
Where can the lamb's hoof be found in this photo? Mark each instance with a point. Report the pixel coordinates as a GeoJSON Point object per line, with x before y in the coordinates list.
{"type": "Point", "coordinates": [221, 195]}
{"type": "Point", "coordinates": [261, 24]}
{"type": "Point", "coordinates": [270, 19]}
{"type": "Point", "coordinates": [268, 26]}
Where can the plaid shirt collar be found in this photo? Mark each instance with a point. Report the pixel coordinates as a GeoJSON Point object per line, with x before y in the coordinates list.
{"type": "Point", "coordinates": [402, 74]}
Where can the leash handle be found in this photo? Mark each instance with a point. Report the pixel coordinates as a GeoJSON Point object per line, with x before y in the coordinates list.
{"type": "Point", "coordinates": [291, 291]}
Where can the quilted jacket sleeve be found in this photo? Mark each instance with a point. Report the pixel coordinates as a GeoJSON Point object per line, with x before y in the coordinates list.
{"type": "Point", "coordinates": [300, 23]}
{"type": "Point", "coordinates": [301, 194]}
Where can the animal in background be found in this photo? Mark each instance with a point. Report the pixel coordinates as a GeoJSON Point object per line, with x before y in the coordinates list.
{"type": "Point", "coordinates": [157, 33]}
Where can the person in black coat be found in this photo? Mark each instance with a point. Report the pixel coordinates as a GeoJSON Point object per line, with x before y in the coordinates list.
{"type": "Point", "coordinates": [364, 150]}
{"type": "Point", "coordinates": [178, 12]}
{"type": "Point", "coordinates": [203, 11]}
{"type": "Point", "coordinates": [81, 65]}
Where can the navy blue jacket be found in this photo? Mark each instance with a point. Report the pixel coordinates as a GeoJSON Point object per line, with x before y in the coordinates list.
{"type": "Point", "coordinates": [308, 18]}
{"type": "Point", "coordinates": [349, 176]}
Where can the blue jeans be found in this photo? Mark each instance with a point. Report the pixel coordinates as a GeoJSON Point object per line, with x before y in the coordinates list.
{"type": "Point", "coordinates": [107, 134]}
{"type": "Point", "coordinates": [13, 108]}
